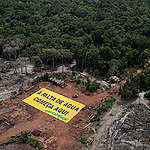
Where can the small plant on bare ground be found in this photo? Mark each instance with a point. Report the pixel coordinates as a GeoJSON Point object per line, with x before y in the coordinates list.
{"type": "Point", "coordinates": [85, 141]}
{"type": "Point", "coordinates": [13, 94]}
{"type": "Point", "coordinates": [24, 139]}
{"type": "Point", "coordinates": [147, 95]}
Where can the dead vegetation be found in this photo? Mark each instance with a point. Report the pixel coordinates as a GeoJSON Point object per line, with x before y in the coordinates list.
{"type": "Point", "coordinates": [16, 116]}
{"type": "Point", "coordinates": [132, 130]}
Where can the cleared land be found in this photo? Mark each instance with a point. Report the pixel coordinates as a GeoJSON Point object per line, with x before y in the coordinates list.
{"type": "Point", "coordinates": [49, 131]}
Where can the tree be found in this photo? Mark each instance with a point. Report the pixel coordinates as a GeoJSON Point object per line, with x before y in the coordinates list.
{"type": "Point", "coordinates": [97, 37]}
{"type": "Point", "coordinates": [66, 56]}
{"type": "Point", "coordinates": [139, 42]}
{"type": "Point", "coordinates": [51, 54]}
{"type": "Point", "coordinates": [106, 53]}
{"type": "Point", "coordinates": [37, 61]}
{"type": "Point", "coordinates": [115, 66]}
{"type": "Point", "coordinates": [2, 43]}
{"type": "Point", "coordinates": [13, 49]}
{"type": "Point", "coordinates": [144, 56]}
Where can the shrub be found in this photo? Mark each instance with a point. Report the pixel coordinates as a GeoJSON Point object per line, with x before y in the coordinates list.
{"type": "Point", "coordinates": [53, 78]}
{"type": "Point", "coordinates": [23, 138]}
{"type": "Point", "coordinates": [147, 95]}
{"type": "Point", "coordinates": [89, 85]}
{"type": "Point", "coordinates": [13, 94]}
{"type": "Point", "coordinates": [78, 81]}
{"type": "Point", "coordinates": [45, 77]}
{"type": "Point", "coordinates": [84, 140]}
{"type": "Point", "coordinates": [21, 90]}
{"type": "Point", "coordinates": [143, 80]}
{"type": "Point", "coordinates": [57, 76]}
{"type": "Point", "coordinates": [92, 86]}
{"type": "Point", "coordinates": [37, 61]}
{"type": "Point", "coordinates": [73, 73]}
{"type": "Point", "coordinates": [129, 90]}
{"type": "Point", "coordinates": [34, 143]}
{"type": "Point", "coordinates": [103, 108]}
{"type": "Point", "coordinates": [96, 72]}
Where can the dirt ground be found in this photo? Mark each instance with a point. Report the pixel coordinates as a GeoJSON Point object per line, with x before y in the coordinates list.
{"type": "Point", "coordinates": [52, 133]}
{"type": "Point", "coordinates": [17, 147]}
{"type": "Point", "coordinates": [101, 137]}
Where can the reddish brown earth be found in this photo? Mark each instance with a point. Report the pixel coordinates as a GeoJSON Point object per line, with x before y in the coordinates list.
{"type": "Point", "coordinates": [17, 147]}
{"type": "Point", "coordinates": [52, 133]}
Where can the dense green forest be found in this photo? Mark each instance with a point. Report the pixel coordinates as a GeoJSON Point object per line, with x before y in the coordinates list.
{"type": "Point", "coordinates": [104, 36]}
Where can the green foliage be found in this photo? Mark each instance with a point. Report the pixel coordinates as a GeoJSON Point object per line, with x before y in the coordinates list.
{"type": "Point", "coordinates": [37, 61]}
{"type": "Point", "coordinates": [147, 95]}
{"type": "Point", "coordinates": [73, 73]}
{"type": "Point", "coordinates": [43, 78]}
{"type": "Point", "coordinates": [79, 81]}
{"type": "Point", "coordinates": [89, 85]}
{"type": "Point", "coordinates": [13, 94]}
{"type": "Point", "coordinates": [55, 79]}
{"type": "Point", "coordinates": [57, 76]}
{"type": "Point", "coordinates": [34, 143]}
{"type": "Point", "coordinates": [144, 78]}
{"type": "Point", "coordinates": [21, 90]}
{"type": "Point", "coordinates": [135, 83]}
{"type": "Point", "coordinates": [84, 140]}
{"type": "Point", "coordinates": [23, 138]}
{"type": "Point", "coordinates": [102, 109]}
{"type": "Point", "coordinates": [129, 90]}
{"type": "Point", "coordinates": [104, 36]}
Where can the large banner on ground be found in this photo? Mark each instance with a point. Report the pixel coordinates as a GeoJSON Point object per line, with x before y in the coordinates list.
{"type": "Point", "coordinates": [54, 104]}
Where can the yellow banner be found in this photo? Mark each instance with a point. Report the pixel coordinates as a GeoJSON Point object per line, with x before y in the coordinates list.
{"type": "Point", "coordinates": [54, 104]}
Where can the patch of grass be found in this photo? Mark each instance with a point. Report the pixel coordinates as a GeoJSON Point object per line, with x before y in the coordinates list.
{"type": "Point", "coordinates": [102, 109]}
{"type": "Point", "coordinates": [23, 138]}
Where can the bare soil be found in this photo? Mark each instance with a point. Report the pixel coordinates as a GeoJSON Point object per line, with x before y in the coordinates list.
{"type": "Point", "coordinates": [52, 133]}
{"type": "Point", "coordinates": [17, 147]}
{"type": "Point", "coordinates": [101, 137]}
